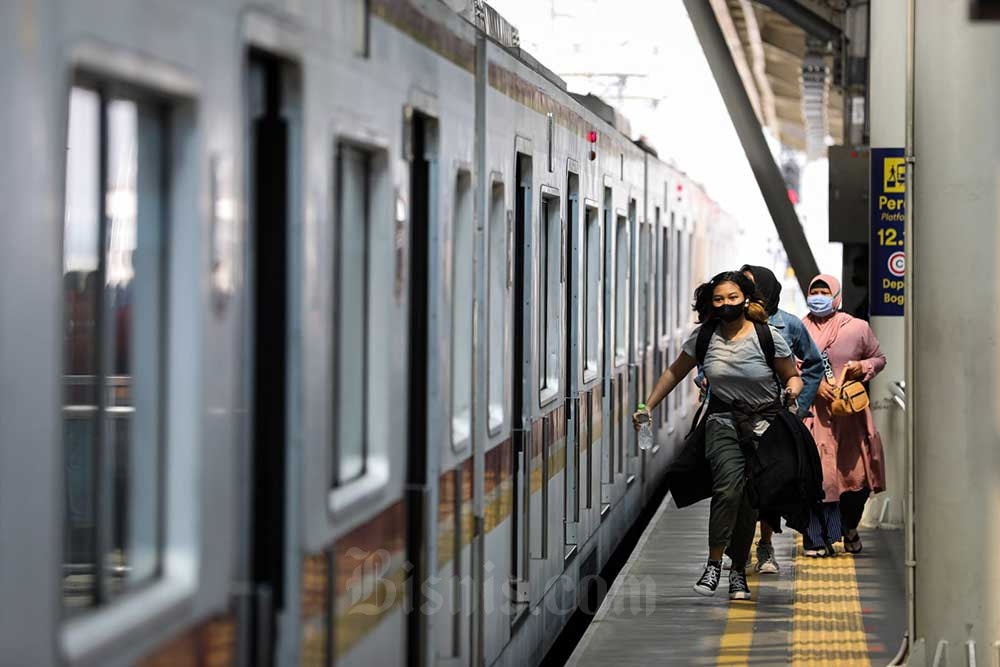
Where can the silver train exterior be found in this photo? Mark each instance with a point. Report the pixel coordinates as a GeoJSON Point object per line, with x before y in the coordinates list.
{"type": "Point", "coordinates": [303, 302]}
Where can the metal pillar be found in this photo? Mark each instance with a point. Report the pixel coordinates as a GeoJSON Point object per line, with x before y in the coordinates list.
{"type": "Point", "coordinates": [769, 179]}
{"type": "Point", "coordinates": [887, 115]}
{"type": "Point", "coordinates": [953, 301]}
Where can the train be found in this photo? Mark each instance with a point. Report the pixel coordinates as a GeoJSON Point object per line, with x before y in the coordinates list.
{"type": "Point", "coordinates": [324, 326]}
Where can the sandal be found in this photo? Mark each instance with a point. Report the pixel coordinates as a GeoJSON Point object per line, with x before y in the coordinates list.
{"type": "Point", "coordinates": [853, 546]}
{"type": "Point", "coordinates": [812, 551]}
{"type": "Point", "coordinates": [824, 551]}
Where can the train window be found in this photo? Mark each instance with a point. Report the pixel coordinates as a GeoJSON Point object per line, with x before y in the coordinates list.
{"type": "Point", "coordinates": [591, 291]}
{"type": "Point", "coordinates": [679, 279]}
{"type": "Point", "coordinates": [654, 296]}
{"type": "Point", "coordinates": [114, 371]}
{"type": "Point", "coordinates": [687, 247]}
{"type": "Point", "coordinates": [550, 248]}
{"type": "Point", "coordinates": [360, 20]}
{"type": "Point", "coordinates": [665, 283]}
{"type": "Point", "coordinates": [645, 297]}
{"type": "Point", "coordinates": [665, 286]}
{"type": "Point", "coordinates": [550, 133]}
{"type": "Point", "coordinates": [461, 311]}
{"type": "Point", "coordinates": [688, 271]}
{"type": "Point", "coordinates": [498, 284]}
{"type": "Point", "coordinates": [621, 290]}
{"type": "Point", "coordinates": [353, 168]}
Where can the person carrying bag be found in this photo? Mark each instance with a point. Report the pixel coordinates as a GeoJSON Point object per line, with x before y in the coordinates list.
{"type": "Point", "coordinates": [745, 402]}
{"type": "Point", "coordinates": [849, 445]}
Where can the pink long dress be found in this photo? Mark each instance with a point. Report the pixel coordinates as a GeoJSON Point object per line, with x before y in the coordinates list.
{"type": "Point", "coordinates": [849, 447]}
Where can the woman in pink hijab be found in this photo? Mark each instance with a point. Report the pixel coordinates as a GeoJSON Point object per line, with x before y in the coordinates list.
{"type": "Point", "coordinates": [849, 446]}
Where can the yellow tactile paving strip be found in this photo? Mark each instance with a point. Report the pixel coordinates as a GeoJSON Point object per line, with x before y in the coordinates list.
{"type": "Point", "coordinates": [737, 638]}
{"type": "Point", "coordinates": [827, 627]}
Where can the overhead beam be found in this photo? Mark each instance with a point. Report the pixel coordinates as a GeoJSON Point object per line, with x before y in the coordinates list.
{"type": "Point", "coordinates": [765, 170]}
{"type": "Point", "coordinates": [805, 18]}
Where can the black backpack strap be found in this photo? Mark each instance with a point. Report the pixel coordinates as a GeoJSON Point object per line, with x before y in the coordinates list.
{"type": "Point", "coordinates": [704, 338]}
{"type": "Point", "coordinates": [766, 342]}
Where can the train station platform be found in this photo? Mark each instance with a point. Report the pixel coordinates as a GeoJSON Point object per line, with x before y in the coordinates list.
{"type": "Point", "coordinates": [843, 610]}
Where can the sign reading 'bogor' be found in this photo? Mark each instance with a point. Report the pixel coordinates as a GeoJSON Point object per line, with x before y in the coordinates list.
{"type": "Point", "coordinates": [888, 256]}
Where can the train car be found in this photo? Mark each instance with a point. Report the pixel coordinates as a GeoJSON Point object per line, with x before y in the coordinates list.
{"type": "Point", "coordinates": [325, 327]}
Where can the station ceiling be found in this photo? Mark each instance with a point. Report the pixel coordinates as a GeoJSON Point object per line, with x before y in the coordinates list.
{"type": "Point", "coordinates": [787, 73]}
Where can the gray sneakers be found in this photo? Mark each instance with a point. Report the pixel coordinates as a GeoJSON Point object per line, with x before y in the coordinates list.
{"type": "Point", "coordinates": [766, 564]}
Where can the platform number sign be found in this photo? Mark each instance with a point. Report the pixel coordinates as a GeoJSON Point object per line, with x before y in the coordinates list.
{"type": "Point", "coordinates": [888, 256]}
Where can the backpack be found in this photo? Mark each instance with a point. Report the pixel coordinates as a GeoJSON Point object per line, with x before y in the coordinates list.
{"type": "Point", "coordinates": [764, 337]}
{"type": "Point", "coordinates": [785, 476]}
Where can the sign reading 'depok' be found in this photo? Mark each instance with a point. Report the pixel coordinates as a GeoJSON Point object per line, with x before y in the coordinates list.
{"type": "Point", "coordinates": [888, 257]}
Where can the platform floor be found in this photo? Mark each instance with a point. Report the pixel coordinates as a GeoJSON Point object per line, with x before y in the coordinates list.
{"type": "Point", "coordinates": [845, 610]}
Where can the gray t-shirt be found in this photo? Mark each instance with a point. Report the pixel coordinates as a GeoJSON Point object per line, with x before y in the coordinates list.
{"type": "Point", "coordinates": [737, 369]}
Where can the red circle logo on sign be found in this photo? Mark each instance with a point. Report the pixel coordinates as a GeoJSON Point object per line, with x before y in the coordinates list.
{"type": "Point", "coordinates": [897, 264]}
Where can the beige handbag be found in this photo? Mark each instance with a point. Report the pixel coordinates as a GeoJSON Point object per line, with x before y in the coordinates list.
{"type": "Point", "coordinates": [851, 397]}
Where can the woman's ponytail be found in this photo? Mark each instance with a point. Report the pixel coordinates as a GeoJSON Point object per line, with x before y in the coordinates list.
{"type": "Point", "coordinates": [756, 312]}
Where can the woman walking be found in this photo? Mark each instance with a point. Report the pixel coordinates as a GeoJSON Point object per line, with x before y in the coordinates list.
{"type": "Point", "coordinates": [745, 399]}
{"type": "Point", "coordinates": [810, 368]}
{"type": "Point", "coordinates": [849, 446]}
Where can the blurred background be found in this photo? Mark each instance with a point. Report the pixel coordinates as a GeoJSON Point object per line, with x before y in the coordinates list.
{"type": "Point", "coordinates": [644, 58]}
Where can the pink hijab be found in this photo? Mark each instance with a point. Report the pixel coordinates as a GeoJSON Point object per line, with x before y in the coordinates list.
{"type": "Point", "coordinates": [824, 330]}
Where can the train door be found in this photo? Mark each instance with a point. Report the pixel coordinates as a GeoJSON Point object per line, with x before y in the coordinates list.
{"type": "Point", "coordinates": [666, 285]}
{"type": "Point", "coordinates": [630, 379]}
{"type": "Point", "coordinates": [678, 269]}
{"type": "Point", "coordinates": [570, 259]}
{"type": "Point", "coordinates": [453, 623]}
{"type": "Point", "coordinates": [655, 313]}
{"type": "Point", "coordinates": [520, 378]}
{"type": "Point", "coordinates": [608, 441]}
{"type": "Point", "coordinates": [644, 350]}
{"type": "Point", "coordinates": [619, 269]}
{"type": "Point", "coordinates": [422, 453]}
{"type": "Point", "coordinates": [272, 108]}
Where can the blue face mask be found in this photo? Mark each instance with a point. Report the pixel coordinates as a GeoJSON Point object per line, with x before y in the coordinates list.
{"type": "Point", "coordinates": [820, 305]}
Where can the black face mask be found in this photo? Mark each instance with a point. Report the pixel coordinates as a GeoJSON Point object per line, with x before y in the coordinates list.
{"type": "Point", "coordinates": [729, 312]}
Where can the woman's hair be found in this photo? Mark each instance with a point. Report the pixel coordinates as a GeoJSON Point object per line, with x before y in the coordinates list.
{"type": "Point", "coordinates": [703, 296]}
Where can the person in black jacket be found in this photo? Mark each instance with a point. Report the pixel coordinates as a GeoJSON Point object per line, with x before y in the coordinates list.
{"type": "Point", "coordinates": [745, 399]}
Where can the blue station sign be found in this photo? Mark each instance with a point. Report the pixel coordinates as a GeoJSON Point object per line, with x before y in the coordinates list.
{"type": "Point", "coordinates": [888, 257]}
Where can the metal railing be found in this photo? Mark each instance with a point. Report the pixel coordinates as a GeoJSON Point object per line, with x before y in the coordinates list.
{"type": "Point", "coordinates": [919, 656]}
{"type": "Point", "coordinates": [898, 390]}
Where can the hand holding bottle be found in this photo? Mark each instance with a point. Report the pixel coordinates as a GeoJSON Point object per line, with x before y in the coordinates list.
{"type": "Point", "coordinates": [643, 423]}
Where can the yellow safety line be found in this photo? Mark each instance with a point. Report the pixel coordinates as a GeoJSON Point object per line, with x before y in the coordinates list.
{"type": "Point", "coordinates": [827, 627]}
{"type": "Point", "coordinates": [734, 647]}
{"type": "Point", "coordinates": [737, 638]}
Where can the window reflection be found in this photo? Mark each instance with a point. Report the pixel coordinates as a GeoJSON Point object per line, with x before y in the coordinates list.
{"type": "Point", "coordinates": [80, 282]}
{"type": "Point", "coordinates": [112, 261]}
{"type": "Point", "coordinates": [353, 171]}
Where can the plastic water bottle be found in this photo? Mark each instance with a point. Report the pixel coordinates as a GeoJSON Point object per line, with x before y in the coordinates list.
{"type": "Point", "coordinates": [645, 428]}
